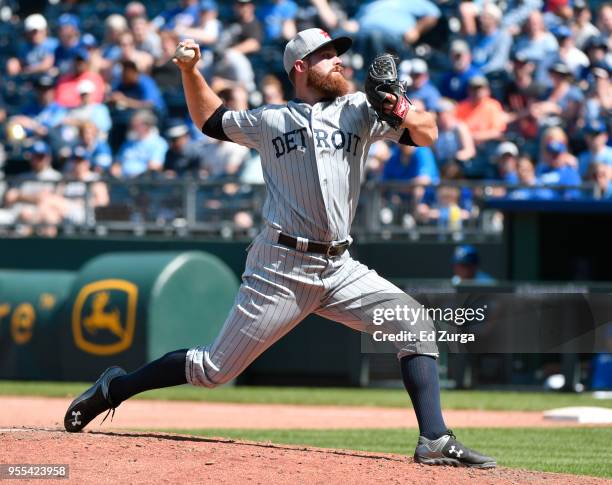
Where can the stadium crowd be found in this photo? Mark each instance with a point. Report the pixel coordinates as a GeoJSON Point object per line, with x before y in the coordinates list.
{"type": "Point", "coordinates": [89, 94]}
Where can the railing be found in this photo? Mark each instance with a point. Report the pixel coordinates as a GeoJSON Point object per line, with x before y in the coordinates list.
{"type": "Point", "coordinates": [230, 209]}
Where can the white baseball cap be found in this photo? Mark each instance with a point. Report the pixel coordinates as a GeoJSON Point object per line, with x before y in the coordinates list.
{"type": "Point", "coordinates": [507, 148]}
{"type": "Point", "coordinates": [309, 40]}
{"type": "Point", "coordinates": [34, 22]}
{"type": "Point", "coordinates": [86, 86]}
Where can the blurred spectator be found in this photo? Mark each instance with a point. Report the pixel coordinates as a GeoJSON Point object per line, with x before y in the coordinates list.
{"type": "Point", "coordinates": [466, 266]}
{"type": "Point", "coordinates": [521, 92]}
{"type": "Point", "coordinates": [483, 115]}
{"type": "Point", "coordinates": [601, 174]}
{"type": "Point", "coordinates": [598, 104]}
{"type": "Point", "coordinates": [491, 45]}
{"type": "Point", "coordinates": [604, 20]}
{"type": "Point", "coordinates": [129, 52]}
{"type": "Point", "coordinates": [537, 44]}
{"type": "Point", "coordinates": [455, 142]}
{"type": "Point", "coordinates": [557, 13]}
{"type": "Point", "coordinates": [596, 134]}
{"type": "Point", "coordinates": [184, 156]}
{"type": "Point", "coordinates": [242, 38]}
{"type": "Point", "coordinates": [89, 110]}
{"type": "Point", "coordinates": [99, 152]}
{"type": "Point", "coordinates": [30, 192]}
{"type": "Point", "coordinates": [73, 194]}
{"type": "Point", "coordinates": [207, 28]}
{"type": "Point", "coordinates": [515, 14]}
{"type": "Point", "coordinates": [43, 114]}
{"type": "Point", "coordinates": [278, 17]}
{"type": "Point", "coordinates": [272, 90]}
{"type": "Point", "coordinates": [67, 93]}
{"type": "Point", "coordinates": [583, 28]}
{"type": "Point", "coordinates": [527, 178]}
{"type": "Point", "coordinates": [596, 50]}
{"type": "Point", "coordinates": [554, 142]}
{"type": "Point", "coordinates": [69, 46]}
{"type": "Point", "coordinates": [561, 102]}
{"type": "Point", "coordinates": [37, 54]}
{"type": "Point", "coordinates": [506, 156]}
{"type": "Point", "coordinates": [97, 63]}
{"type": "Point", "coordinates": [416, 166]}
{"type": "Point", "coordinates": [444, 209]}
{"type": "Point", "coordinates": [323, 14]}
{"type": "Point", "coordinates": [557, 167]}
{"type": "Point", "coordinates": [411, 164]}
{"type": "Point", "coordinates": [421, 86]}
{"type": "Point", "coordinates": [145, 39]}
{"type": "Point", "coordinates": [144, 150]}
{"type": "Point", "coordinates": [454, 84]}
{"type": "Point", "coordinates": [135, 9]}
{"type": "Point", "coordinates": [245, 34]}
{"type": "Point", "coordinates": [164, 73]}
{"type": "Point", "coordinates": [393, 24]}
{"type": "Point", "coordinates": [114, 26]}
{"type": "Point", "coordinates": [569, 54]}
{"type": "Point", "coordinates": [183, 16]}
{"type": "Point", "coordinates": [135, 90]}
{"type": "Point", "coordinates": [506, 164]}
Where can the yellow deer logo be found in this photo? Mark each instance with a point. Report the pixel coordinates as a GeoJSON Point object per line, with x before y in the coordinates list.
{"type": "Point", "coordinates": [99, 320]}
{"type": "Point", "coordinates": [103, 315]}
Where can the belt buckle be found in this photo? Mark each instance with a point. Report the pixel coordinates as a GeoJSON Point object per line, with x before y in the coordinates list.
{"type": "Point", "coordinates": [336, 249]}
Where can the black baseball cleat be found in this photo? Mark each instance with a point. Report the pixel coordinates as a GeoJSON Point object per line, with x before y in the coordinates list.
{"type": "Point", "coordinates": [446, 450]}
{"type": "Point", "coordinates": [93, 402]}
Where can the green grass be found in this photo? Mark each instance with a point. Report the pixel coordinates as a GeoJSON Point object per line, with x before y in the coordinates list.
{"type": "Point", "coordinates": [486, 400]}
{"type": "Point", "coordinates": [580, 451]}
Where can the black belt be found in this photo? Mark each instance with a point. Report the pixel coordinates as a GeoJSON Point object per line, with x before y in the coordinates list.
{"type": "Point", "coordinates": [304, 245]}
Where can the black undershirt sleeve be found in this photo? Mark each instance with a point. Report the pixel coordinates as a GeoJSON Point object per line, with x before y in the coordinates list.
{"type": "Point", "coordinates": [406, 139]}
{"type": "Point", "coordinates": [214, 125]}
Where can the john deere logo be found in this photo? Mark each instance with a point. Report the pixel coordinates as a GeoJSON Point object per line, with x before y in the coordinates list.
{"type": "Point", "coordinates": [104, 316]}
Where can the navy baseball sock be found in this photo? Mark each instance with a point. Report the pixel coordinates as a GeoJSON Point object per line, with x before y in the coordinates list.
{"type": "Point", "coordinates": [420, 376]}
{"type": "Point", "coordinates": [166, 371]}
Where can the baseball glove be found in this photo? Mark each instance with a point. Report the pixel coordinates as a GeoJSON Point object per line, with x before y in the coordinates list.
{"type": "Point", "coordinates": [382, 79]}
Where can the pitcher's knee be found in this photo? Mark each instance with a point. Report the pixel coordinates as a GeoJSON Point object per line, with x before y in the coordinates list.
{"type": "Point", "coordinates": [201, 371]}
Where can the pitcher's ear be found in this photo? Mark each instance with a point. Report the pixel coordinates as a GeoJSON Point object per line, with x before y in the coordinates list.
{"type": "Point", "coordinates": [300, 66]}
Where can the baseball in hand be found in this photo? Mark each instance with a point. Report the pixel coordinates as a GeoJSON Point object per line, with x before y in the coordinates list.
{"type": "Point", "coordinates": [183, 53]}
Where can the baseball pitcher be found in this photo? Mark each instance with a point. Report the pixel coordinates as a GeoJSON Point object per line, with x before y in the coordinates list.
{"type": "Point", "coordinates": [313, 153]}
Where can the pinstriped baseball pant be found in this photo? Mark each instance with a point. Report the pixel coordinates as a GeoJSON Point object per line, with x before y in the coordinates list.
{"type": "Point", "coordinates": [280, 287]}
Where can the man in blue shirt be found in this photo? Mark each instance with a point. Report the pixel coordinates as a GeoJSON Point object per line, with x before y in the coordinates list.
{"type": "Point", "coordinates": [44, 115]}
{"type": "Point", "coordinates": [144, 151]}
{"type": "Point", "coordinates": [411, 164]}
{"type": "Point", "coordinates": [558, 173]}
{"type": "Point", "coordinates": [393, 24]}
{"type": "Point", "coordinates": [36, 55]}
{"type": "Point", "coordinates": [491, 46]}
{"type": "Point", "coordinates": [69, 42]}
{"type": "Point", "coordinates": [136, 90]}
{"type": "Point", "coordinates": [184, 16]}
{"type": "Point", "coordinates": [422, 88]}
{"type": "Point", "coordinates": [598, 150]}
{"type": "Point", "coordinates": [278, 18]}
{"type": "Point", "coordinates": [466, 262]}
{"type": "Point", "coordinates": [455, 83]}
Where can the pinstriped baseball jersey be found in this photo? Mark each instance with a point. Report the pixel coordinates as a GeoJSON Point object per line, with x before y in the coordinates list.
{"type": "Point", "coordinates": [312, 159]}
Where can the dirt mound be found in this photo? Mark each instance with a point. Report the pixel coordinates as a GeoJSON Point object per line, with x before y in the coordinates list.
{"type": "Point", "coordinates": [134, 458]}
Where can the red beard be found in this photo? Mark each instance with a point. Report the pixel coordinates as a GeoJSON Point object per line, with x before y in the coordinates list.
{"type": "Point", "coordinates": [332, 85]}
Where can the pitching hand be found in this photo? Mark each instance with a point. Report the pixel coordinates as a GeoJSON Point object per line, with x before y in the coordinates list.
{"type": "Point", "coordinates": [188, 65]}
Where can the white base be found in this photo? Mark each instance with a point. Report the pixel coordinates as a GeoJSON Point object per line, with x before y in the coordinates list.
{"type": "Point", "coordinates": [581, 414]}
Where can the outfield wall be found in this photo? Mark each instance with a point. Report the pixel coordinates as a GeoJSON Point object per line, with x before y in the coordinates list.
{"type": "Point", "coordinates": [43, 280]}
